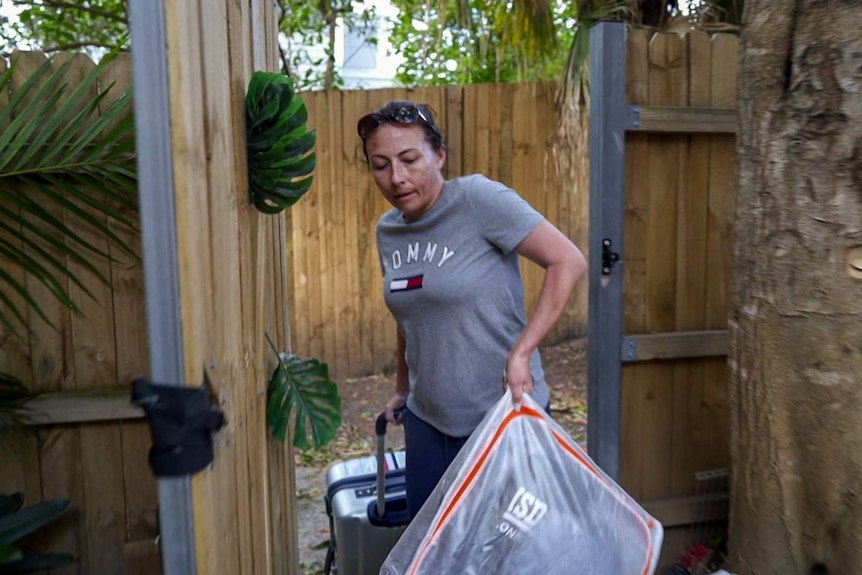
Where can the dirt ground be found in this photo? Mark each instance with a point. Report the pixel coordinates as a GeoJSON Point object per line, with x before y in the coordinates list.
{"type": "Point", "coordinates": [363, 399]}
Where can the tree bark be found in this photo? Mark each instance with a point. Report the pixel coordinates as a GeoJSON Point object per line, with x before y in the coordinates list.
{"type": "Point", "coordinates": [796, 320]}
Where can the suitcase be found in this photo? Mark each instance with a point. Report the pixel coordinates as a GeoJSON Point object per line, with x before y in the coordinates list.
{"type": "Point", "coordinates": [360, 535]}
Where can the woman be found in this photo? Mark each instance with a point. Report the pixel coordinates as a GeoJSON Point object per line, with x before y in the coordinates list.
{"type": "Point", "coordinates": [449, 252]}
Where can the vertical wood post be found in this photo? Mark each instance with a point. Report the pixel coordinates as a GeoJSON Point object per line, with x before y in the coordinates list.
{"type": "Point", "coordinates": [209, 258]}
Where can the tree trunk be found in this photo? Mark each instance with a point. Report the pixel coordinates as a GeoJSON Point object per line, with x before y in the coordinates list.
{"type": "Point", "coordinates": [796, 325]}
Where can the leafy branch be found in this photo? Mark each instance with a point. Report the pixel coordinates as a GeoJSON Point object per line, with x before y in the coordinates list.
{"type": "Point", "coordinates": [106, 14]}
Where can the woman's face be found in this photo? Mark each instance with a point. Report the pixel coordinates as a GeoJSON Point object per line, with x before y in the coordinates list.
{"type": "Point", "coordinates": [406, 168]}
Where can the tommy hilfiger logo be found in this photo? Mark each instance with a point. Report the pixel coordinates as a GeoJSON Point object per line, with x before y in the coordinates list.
{"type": "Point", "coordinates": [405, 284]}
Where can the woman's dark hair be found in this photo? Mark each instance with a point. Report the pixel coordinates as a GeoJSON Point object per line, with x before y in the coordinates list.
{"type": "Point", "coordinates": [401, 113]}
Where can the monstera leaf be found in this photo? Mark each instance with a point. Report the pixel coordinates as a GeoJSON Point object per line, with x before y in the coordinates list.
{"type": "Point", "coordinates": [301, 389]}
{"type": "Point", "coordinates": [16, 522]}
{"type": "Point", "coordinates": [279, 163]}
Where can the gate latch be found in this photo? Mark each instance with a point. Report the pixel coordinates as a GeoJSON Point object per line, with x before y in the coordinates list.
{"type": "Point", "coordinates": [609, 258]}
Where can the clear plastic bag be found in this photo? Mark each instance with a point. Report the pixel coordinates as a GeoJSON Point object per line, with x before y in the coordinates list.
{"type": "Point", "coordinates": [523, 498]}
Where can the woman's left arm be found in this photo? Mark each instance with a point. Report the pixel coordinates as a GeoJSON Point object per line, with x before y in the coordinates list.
{"type": "Point", "coordinates": [564, 266]}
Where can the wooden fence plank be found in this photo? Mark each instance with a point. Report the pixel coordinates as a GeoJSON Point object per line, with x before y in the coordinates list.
{"type": "Point", "coordinates": [18, 451]}
{"type": "Point", "coordinates": [224, 361]}
{"type": "Point", "coordinates": [469, 134]}
{"type": "Point", "coordinates": [63, 478]}
{"type": "Point", "coordinates": [259, 488]}
{"type": "Point", "coordinates": [690, 268]}
{"type": "Point", "coordinates": [347, 203]}
{"type": "Point", "coordinates": [675, 345]}
{"type": "Point", "coordinates": [722, 205]}
{"type": "Point", "coordinates": [683, 511]}
{"type": "Point", "coordinates": [142, 557]}
{"type": "Point", "coordinates": [255, 229]}
{"type": "Point", "coordinates": [337, 327]}
{"type": "Point", "coordinates": [14, 348]}
{"type": "Point", "coordinates": [192, 206]}
{"type": "Point", "coordinates": [314, 250]}
{"type": "Point", "coordinates": [328, 157]}
{"type": "Point", "coordinates": [689, 120]}
{"type": "Point", "coordinates": [282, 479]}
{"type": "Point", "coordinates": [636, 213]}
{"type": "Point", "coordinates": [88, 406]}
{"type": "Point", "coordinates": [368, 266]}
{"type": "Point", "coordinates": [304, 237]}
{"type": "Point", "coordinates": [53, 368]}
{"type": "Point", "coordinates": [481, 137]}
{"type": "Point", "coordinates": [95, 360]}
{"type": "Point", "coordinates": [454, 129]}
{"type": "Point", "coordinates": [132, 354]}
{"type": "Point", "coordinates": [668, 86]}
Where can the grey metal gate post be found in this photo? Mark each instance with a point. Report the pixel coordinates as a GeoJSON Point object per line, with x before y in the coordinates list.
{"type": "Point", "coordinates": [608, 122]}
{"type": "Point", "coordinates": [161, 269]}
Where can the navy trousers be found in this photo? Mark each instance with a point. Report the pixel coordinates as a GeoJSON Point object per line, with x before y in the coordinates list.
{"type": "Point", "coordinates": [428, 454]}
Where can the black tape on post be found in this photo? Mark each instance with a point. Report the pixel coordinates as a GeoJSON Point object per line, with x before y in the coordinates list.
{"type": "Point", "coordinates": [182, 421]}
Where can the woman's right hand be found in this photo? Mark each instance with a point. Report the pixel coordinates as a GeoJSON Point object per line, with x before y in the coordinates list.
{"type": "Point", "coordinates": [397, 401]}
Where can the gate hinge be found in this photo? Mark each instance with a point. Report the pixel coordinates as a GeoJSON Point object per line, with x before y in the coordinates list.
{"type": "Point", "coordinates": [609, 258]}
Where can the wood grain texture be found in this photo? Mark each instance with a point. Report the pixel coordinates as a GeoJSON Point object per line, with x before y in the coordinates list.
{"type": "Point", "coordinates": [635, 232]}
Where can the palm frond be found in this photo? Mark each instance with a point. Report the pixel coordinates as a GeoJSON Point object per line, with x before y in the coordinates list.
{"type": "Point", "coordinates": [67, 175]}
{"type": "Point", "coordinates": [528, 24]}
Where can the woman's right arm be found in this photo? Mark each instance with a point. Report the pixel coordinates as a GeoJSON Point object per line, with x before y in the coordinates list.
{"type": "Point", "coordinates": [402, 382]}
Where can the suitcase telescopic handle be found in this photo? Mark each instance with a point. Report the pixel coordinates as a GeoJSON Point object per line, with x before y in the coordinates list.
{"type": "Point", "coordinates": [380, 430]}
{"type": "Point", "coordinates": [380, 425]}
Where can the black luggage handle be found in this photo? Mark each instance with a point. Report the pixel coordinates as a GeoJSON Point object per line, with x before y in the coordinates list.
{"type": "Point", "coordinates": [380, 429]}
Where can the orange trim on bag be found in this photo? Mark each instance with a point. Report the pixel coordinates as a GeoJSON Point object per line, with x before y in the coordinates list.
{"type": "Point", "coordinates": [480, 464]}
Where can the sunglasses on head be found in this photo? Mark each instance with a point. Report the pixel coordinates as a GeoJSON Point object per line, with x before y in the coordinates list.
{"type": "Point", "coordinates": [404, 114]}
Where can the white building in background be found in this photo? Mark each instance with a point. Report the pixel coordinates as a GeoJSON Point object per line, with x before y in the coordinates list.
{"type": "Point", "coordinates": [362, 64]}
{"type": "Point", "coordinates": [365, 65]}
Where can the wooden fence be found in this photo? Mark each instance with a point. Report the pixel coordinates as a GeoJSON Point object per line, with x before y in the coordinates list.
{"type": "Point", "coordinates": [86, 453]}
{"type": "Point", "coordinates": [659, 318]}
{"type": "Point", "coordinates": [679, 204]}
{"type": "Point", "coordinates": [91, 445]}
{"type": "Point", "coordinates": [503, 131]}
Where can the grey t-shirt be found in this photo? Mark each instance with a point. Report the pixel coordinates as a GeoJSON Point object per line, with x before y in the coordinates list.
{"type": "Point", "coordinates": [451, 280]}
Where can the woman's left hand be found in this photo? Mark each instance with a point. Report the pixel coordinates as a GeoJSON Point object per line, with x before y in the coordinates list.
{"type": "Point", "coordinates": [518, 377]}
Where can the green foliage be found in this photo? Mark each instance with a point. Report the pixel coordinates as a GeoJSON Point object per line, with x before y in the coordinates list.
{"type": "Point", "coordinates": [94, 26]}
{"type": "Point", "coordinates": [16, 523]}
{"type": "Point", "coordinates": [279, 162]}
{"type": "Point", "coordinates": [62, 151]}
{"type": "Point", "coordinates": [99, 26]}
{"type": "Point", "coordinates": [477, 41]}
{"type": "Point", "coordinates": [303, 385]}
{"type": "Point", "coordinates": [307, 42]}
